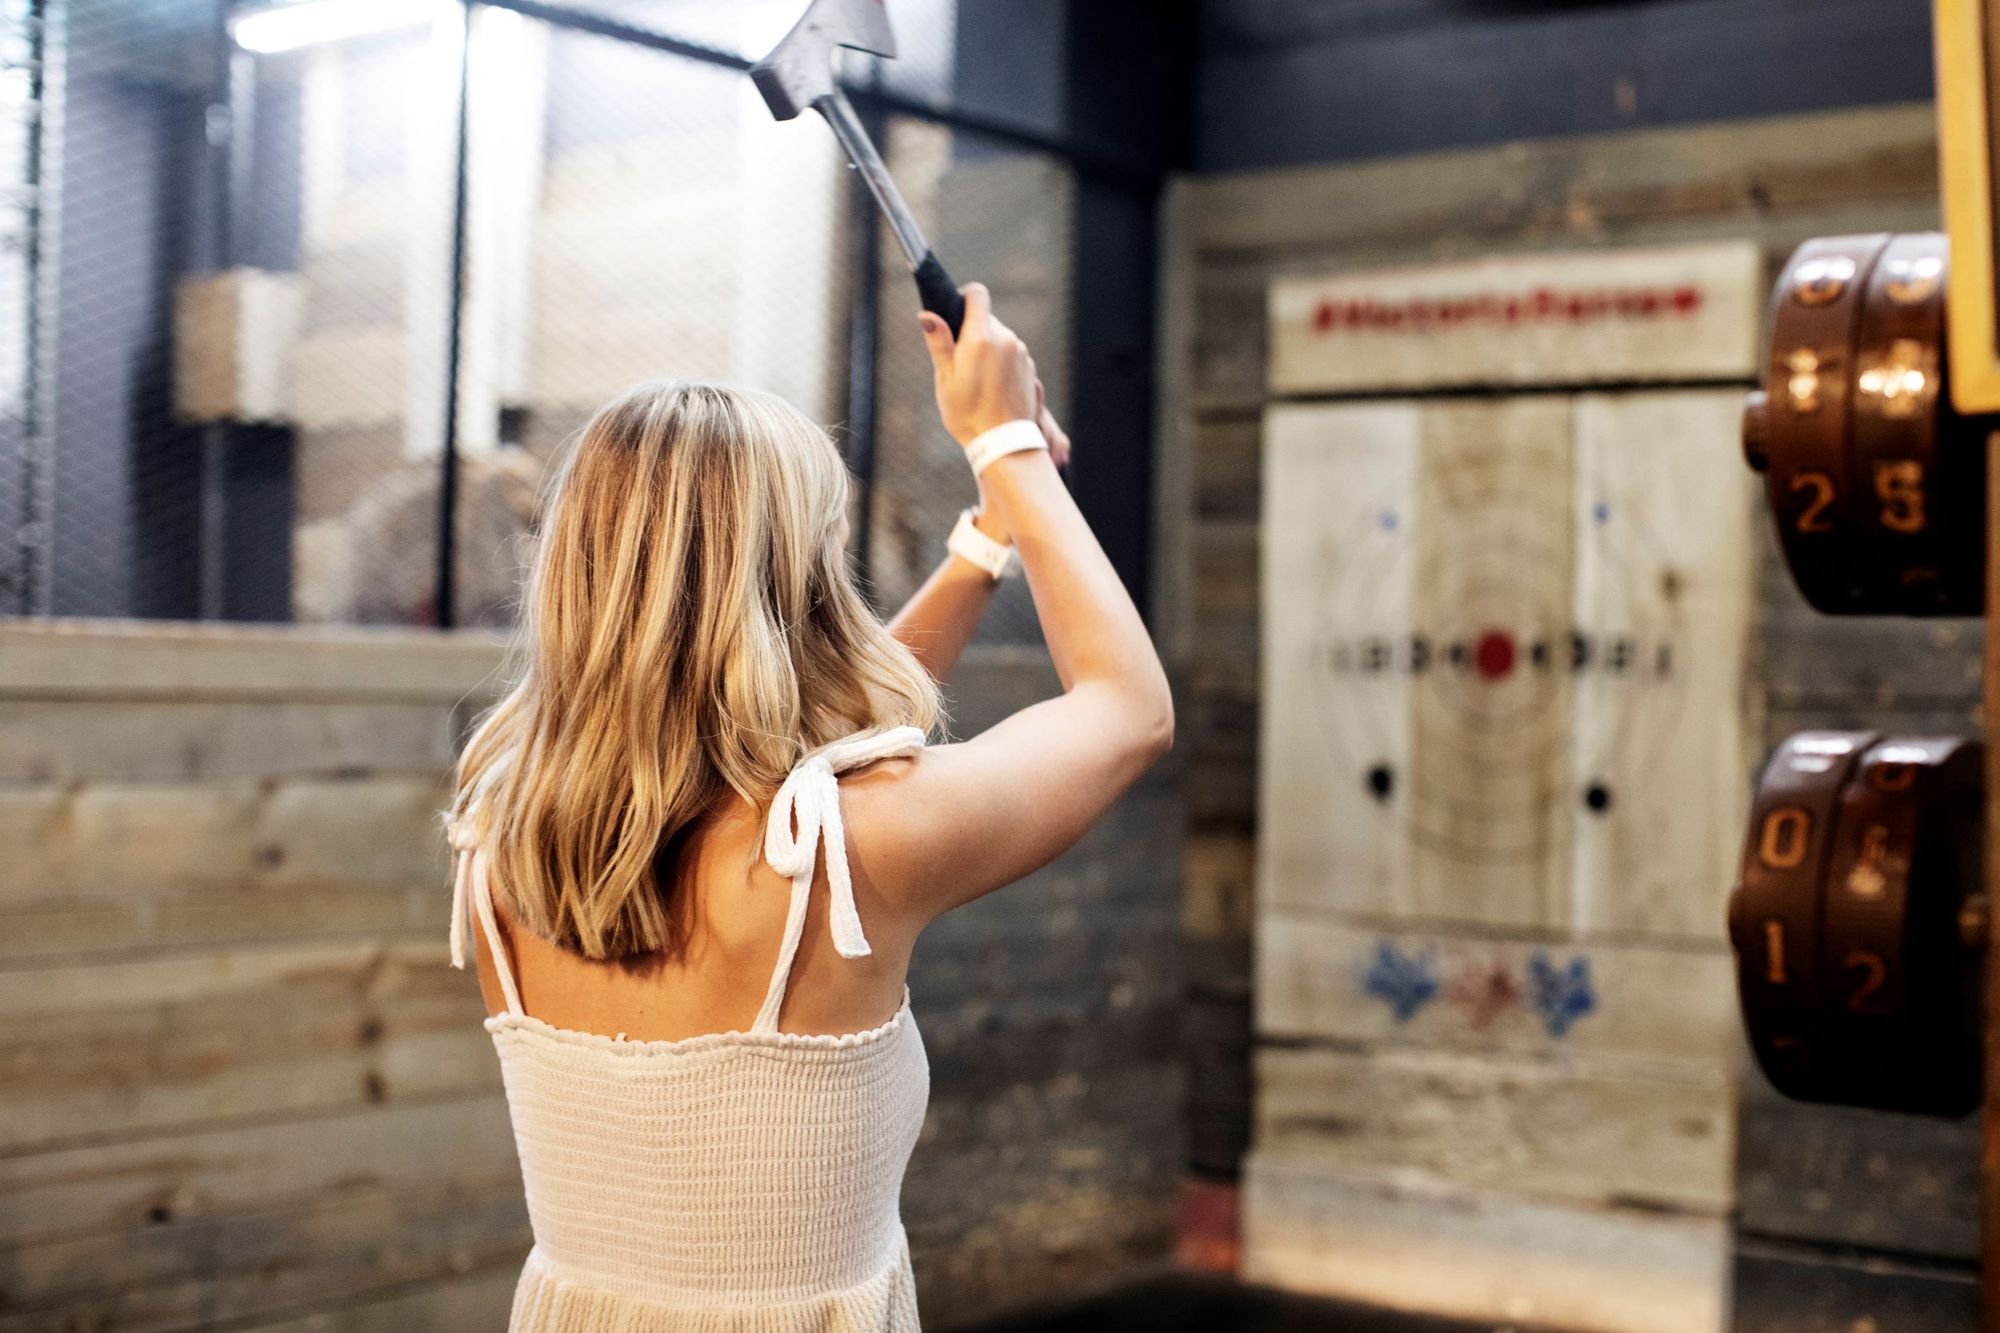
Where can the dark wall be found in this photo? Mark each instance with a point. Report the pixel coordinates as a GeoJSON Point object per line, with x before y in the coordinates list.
{"type": "Point", "coordinates": [1049, 1158]}
{"type": "Point", "coordinates": [1112, 79]}
{"type": "Point", "coordinates": [122, 473]}
{"type": "Point", "coordinates": [1289, 81]}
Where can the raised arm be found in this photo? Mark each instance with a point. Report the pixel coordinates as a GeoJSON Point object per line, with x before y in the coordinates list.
{"type": "Point", "coordinates": [938, 620]}
{"type": "Point", "coordinates": [963, 819]}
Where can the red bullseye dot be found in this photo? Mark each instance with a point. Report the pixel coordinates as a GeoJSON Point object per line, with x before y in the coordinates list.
{"type": "Point", "coordinates": [1494, 655]}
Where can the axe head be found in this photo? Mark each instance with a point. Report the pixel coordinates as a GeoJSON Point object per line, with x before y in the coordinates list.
{"type": "Point", "coordinates": [800, 69]}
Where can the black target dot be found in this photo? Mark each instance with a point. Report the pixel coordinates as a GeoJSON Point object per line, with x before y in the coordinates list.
{"type": "Point", "coordinates": [1381, 781]}
{"type": "Point", "coordinates": [1598, 797]}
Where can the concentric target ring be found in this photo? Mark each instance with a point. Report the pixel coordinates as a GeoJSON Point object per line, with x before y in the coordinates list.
{"type": "Point", "coordinates": [1485, 693]}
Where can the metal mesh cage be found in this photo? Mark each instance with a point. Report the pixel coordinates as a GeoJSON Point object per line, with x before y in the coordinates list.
{"type": "Point", "coordinates": [24, 565]}
{"type": "Point", "coordinates": [354, 169]}
{"type": "Point", "coordinates": [633, 215]}
{"type": "Point", "coordinates": [1001, 215]}
{"type": "Point", "coordinates": [270, 309]}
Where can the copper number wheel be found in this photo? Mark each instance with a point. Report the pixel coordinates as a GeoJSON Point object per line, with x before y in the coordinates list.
{"type": "Point", "coordinates": [1858, 925]}
{"type": "Point", "coordinates": [1876, 485]}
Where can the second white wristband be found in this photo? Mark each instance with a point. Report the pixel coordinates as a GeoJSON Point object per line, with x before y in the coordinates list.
{"type": "Point", "coordinates": [968, 543]}
{"type": "Point", "coordinates": [1013, 437]}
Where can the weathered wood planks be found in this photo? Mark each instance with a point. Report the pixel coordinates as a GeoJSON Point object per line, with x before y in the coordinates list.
{"type": "Point", "coordinates": [238, 1080]}
{"type": "Point", "coordinates": [111, 660]}
{"type": "Point", "coordinates": [106, 1050]}
{"type": "Point", "coordinates": [109, 866]}
{"type": "Point", "coordinates": [1592, 554]}
{"type": "Point", "coordinates": [1659, 314]}
{"type": "Point", "coordinates": [1403, 1240]}
{"type": "Point", "coordinates": [240, 1084]}
{"type": "Point", "coordinates": [1574, 1129]}
{"type": "Point", "coordinates": [1776, 181]}
{"type": "Point", "coordinates": [1323, 980]}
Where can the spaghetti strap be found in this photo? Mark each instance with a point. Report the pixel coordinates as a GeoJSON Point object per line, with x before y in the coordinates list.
{"type": "Point", "coordinates": [811, 797]}
{"type": "Point", "coordinates": [469, 879]}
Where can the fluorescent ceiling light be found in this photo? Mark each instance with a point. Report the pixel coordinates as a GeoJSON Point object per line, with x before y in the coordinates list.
{"type": "Point", "coordinates": [310, 22]}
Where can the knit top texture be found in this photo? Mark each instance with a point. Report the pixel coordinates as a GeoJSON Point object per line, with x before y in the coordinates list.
{"type": "Point", "coordinates": [734, 1182]}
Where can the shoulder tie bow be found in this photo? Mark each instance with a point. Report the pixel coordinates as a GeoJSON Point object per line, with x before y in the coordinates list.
{"type": "Point", "coordinates": [469, 880]}
{"type": "Point", "coordinates": [810, 800]}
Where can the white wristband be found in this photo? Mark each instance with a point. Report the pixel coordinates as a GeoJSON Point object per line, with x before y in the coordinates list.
{"type": "Point", "coordinates": [967, 542]}
{"type": "Point", "coordinates": [1010, 438]}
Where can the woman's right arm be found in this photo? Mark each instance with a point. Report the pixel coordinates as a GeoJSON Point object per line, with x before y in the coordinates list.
{"type": "Point", "coordinates": [964, 819]}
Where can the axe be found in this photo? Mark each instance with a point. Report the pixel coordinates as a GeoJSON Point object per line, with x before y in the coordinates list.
{"type": "Point", "coordinates": [799, 74]}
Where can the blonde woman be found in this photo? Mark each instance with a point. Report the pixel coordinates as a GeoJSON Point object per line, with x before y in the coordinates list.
{"type": "Point", "coordinates": [702, 832]}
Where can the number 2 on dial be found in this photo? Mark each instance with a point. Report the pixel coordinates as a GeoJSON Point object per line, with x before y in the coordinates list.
{"type": "Point", "coordinates": [1813, 517]}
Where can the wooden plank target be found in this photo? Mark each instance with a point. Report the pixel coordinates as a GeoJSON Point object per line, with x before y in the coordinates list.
{"type": "Point", "coordinates": [1505, 634]}
{"type": "Point", "coordinates": [1683, 313]}
{"type": "Point", "coordinates": [1504, 641]}
{"type": "Point", "coordinates": [1663, 745]}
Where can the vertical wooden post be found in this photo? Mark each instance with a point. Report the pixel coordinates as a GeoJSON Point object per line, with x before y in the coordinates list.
{"type": "Point", "coordinates": [1989, 1152]}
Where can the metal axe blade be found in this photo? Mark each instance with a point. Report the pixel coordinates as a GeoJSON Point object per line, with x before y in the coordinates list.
{"type": "Point", "coordinates": [800, 73]}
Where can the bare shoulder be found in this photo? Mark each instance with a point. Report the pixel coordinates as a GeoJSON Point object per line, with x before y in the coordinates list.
{"type": "Point", "coordinates": [952, 822]}
{"type": "Point", "coordinates": [893, 807]}
{"type": "Point", "coordinates": [897, 812]}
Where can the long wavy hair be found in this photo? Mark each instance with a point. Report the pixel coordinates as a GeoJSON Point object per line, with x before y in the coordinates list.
{"type": "Point", "coordinates": [690, 628]}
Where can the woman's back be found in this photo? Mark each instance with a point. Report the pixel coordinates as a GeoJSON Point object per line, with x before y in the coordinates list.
{"type": "Point", "coordinates": [740, 1179]}
{"type": "Point", "coordinates": [733, 906]}
{"type": "Point", "coordinates": [693, 645]}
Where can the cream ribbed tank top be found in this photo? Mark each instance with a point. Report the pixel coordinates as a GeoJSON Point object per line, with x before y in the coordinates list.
{"type": "Point", "coordinates": [724, 1183]}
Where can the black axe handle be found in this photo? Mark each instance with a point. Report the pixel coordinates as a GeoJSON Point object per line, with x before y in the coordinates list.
{"type": "Point", "coordinates": [939, 294]}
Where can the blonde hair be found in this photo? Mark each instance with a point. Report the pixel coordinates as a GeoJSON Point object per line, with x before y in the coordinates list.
{"type": "Point", "coordinates": [691, 627]}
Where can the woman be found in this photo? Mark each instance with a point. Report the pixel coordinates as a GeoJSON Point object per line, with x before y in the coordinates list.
{"type": "Point", "coordinates": [713, 1107]}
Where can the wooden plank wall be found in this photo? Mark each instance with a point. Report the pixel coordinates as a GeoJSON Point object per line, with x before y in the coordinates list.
{"type": "Point", "coordinates": [1049, 1010]}
{"type": "Point", "coordinates": [243, 1088]}
{"type": "Point", "coordinates": [1816, 1187]}
{"type": "Point", "coordinates": [243, 1084]}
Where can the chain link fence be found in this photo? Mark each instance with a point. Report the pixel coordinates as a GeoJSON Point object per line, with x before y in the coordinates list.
{"type": "Point", "coordinates": [1000, 214]}
{"type": "Point", "coordinates": [281, 288]}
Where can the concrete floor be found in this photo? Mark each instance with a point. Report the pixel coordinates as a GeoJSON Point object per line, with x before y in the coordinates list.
{"type": "Point", "coordinates": [1186, 1303]}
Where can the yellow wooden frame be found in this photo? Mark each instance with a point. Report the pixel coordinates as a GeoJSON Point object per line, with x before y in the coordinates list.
{"type": "Point", "coordinates": [1965, 168]}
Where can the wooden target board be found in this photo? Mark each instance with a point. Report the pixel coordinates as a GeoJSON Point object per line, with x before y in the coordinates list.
{"type": "Point", "coordinates": [1507, 582]}
{"type": "Point", "coordinates": [1503, 671]}
{"type": "Point", "coordinates": [1504, 649]}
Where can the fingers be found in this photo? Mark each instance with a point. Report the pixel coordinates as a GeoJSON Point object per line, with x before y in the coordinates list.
{"type": "Point", "coordinates": [1053, 432]}
{"type": "Point", "coordinates": [938, 339]}
{"type": "Point", "coordinates": [982, 324]}
{"type": "Point", "coordinates": [978, 310]}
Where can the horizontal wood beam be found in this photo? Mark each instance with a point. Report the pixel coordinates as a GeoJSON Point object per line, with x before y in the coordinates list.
{"type": "Point", "coordinates": [85, 659]}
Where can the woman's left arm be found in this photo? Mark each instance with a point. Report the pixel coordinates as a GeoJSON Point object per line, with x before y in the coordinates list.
{"type": "Point", "coordinates": [939, 618]}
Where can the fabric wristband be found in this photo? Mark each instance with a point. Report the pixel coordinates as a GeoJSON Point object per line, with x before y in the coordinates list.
{"type": "Point", "coordinates": [1009, 438]}
{"type": "Point", "coordinates": [967, 542]}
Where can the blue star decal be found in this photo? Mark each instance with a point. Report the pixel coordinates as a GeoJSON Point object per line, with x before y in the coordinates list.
{"type": "Point", "coordinates": [1407, 982]}
{"type": "Point", "coordinates": [1561, 995]}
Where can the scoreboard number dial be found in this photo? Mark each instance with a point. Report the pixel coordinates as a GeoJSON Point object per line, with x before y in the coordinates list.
{"type": "Point", "coordinates": [1877, 486]}
{"type": "Point", "coordinates": [1855, 924]}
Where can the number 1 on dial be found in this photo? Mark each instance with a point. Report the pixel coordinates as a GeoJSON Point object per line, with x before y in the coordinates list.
{"type": "Point", "coordinates": [1774, 953]}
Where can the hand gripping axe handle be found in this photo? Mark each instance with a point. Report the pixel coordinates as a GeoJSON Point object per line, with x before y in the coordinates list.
{"type": "Point", "coordinates": [800, 74]}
